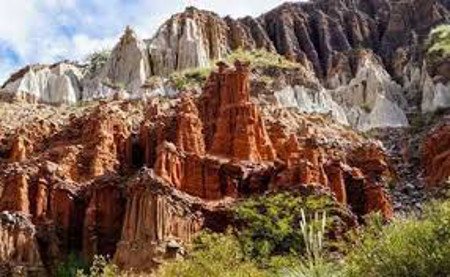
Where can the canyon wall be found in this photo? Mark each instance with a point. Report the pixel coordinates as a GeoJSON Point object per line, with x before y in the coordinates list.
{"type": "Point", "coordinates": [323, 36]}
{"type": "Point", "coordinates": [82, 181]}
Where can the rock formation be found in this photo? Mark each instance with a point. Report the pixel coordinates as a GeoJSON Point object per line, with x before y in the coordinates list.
{"type": "Point", "coordinates": [54, 84]}
{"type": "Point", "coordinates": [137, 179]}
{"type": "Point", "coordinates": [156, 216]}
{"type": "Point", "coordinates": [321, 35]}
{"type": "Point", "coordinates": [76, 178]}
{"type": "Point", "coordinates": [127, 68]}
{"type": "Point", "coordinates": [436, 154]}
{"type": "Point", "coordinates": [19, 250]}
{"type": "Point", "coordinates": [239, 129]}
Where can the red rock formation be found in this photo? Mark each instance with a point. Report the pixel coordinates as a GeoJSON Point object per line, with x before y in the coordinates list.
{"type": "Point", "coordinates": [18, 150]}
{"type": "Point", "coordinates": [239, 130]}
{"type": "Point", "coordinates": [335, 174]}
{"type": "Point", "coordinates": [15, 195]}
{"type": "Point", "coordinates": [19, 250]}
{"type": "Point", "coordinates": [103, 218]}
{"type": "Point", "coordinates": [207, 177]}
{"type": "Point", "coordinates": [436, 154]}
{"type": "Point", "coordinates": [155, 215]}
{"type": "Point", "coordinates": [189, 128]}
{"type": "Point", "coordinates": [304, 164]}
{"type": "Point", "coordinates": [106, 142]}
{"type": "Point", "coordinates": [372, 162]}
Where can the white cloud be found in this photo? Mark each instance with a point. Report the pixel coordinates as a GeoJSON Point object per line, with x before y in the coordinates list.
{"type": "Point", "coordinates": [49, 30]}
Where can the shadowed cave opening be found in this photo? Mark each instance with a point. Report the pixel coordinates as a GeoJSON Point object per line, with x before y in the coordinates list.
{"type": "Point", "coordinates": [137, 152]}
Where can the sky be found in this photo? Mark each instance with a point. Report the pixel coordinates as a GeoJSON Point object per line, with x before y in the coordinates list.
{"type": "Point", "coordinates": [46, 31]}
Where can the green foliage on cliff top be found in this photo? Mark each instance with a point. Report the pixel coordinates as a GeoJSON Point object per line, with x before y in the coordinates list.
{"type": "Point", "coordinates": [96, 61]}
{"type": "Point", "coordinates": [190, 78]}
{"type": "Point", "coordinates": [438, 45]}
{"type": "Point", "coordinates": [261, 59]}
{"type": "Point", "coordinates": [196, 77]}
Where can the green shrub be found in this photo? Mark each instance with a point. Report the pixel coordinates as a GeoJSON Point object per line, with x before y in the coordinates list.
{"type": "Point", "coordinates": [70, 267]}
{"type": "Point", "coordinates": [313, 268]}
{"type": "Point", "coordinates": [412, 247]}
{"type": "Point", "coordinates": [272, 225]}
{"type": "Point", "coordinates": [314, 263]}
{"type": "Point", "coordinates": [97, 60]}
{"type": "Point", "coordinates": [75, 267]}
{"type": "Point", "coordinates": [261, 59]}
{"type": "Point", "coordinates": [190, 78]}
{"type": "Point", "coordinates": [213, 255]}
{"type": "Point", "coordinates": [438, 45]}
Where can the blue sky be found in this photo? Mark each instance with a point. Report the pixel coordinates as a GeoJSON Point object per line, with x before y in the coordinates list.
{"type": "Point", "coordinates": [46, 31]}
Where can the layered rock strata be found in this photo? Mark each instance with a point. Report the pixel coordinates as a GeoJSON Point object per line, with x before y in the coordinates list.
{"type": "Point", "coordinates": [157, 217]}
{"type": "Point", "coordinates": [54, 84]}
{"type": "Point", "coordinates": [321, 35]}
{"type": "Point", "coordinates": [76, 177]}
{"type": "Point", "coordinates": [19, 250]}
{"type": "Point", "coordinates": [436, 154]}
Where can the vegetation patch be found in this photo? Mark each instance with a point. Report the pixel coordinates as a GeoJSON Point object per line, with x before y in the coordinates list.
{"type": "Point", "coordinates": [97, 61]}
{"type": "Point", "coordinates": [412, 247]}
{"type": "Point", "coordinates": [196, 77]}
{"type": "Point", "coordinates": [270, 225]}
{"type": "Point", "coordinates": [438, 45]}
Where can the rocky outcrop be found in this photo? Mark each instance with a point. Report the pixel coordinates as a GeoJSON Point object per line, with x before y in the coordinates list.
{"type": "Point", "coordinates": [436, 154]}
{"type": "Point", "coordinates": [103, 217]}
{"type": "Point", "coordinates": [372, 164]}
{"type": "Point", "coordinates": [371, 99]}
{"type": "Point", "coordinates": [53, 84]}
{"type": "Point", "coordinates": [19, 250]}
{"type": "Point", "coordinates": [240, 132]}
{"type": "Point", "coordinates": [354, 183]}
{"type": "Point", "coordinates": [189, 136]}
{"type": "Point", "coordinates": [369, 87]}
{"type": "Point", "coordinates": [81, 179]}
{"type": "Point", "coordinates": [435, 85]}
{"type": "Point", "coordinates": [188, 40]}
{"type": "Point", "coordinates": [127, 68]}
{"type": "Point", "coordinates": [157, 218]}
{"type": "Point", "coordinates": [311, 101]}
{"type": "Point", "coordinates": [241, 150]}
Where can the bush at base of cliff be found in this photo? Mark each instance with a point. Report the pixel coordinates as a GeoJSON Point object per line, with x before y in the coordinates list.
{"type": "Point", "coordinates": [412, 247]}
{"type": "Point", "coordinates": [70, 267]}
{"type": "Point", "coordinates": [271, 225]}
{"type": "Point", "coordinates": [213, 255]}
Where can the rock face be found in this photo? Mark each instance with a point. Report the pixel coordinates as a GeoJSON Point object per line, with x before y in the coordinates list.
{"type": "Point", "coordinates": [436, 154]}
{"type": "Point", "coordinates": [137, 179]}
{"type": "Point", "coordinates": [240, 132]}
{"type": "Point", "coordinates": [371, 99]}
{"type": "Point", "coordinates": [80, 179]}
{"type": "Point", "coordinates": [188, 40]}
{"type": "Point", "coordinates": [19, 252]}
{"type": "Point", "coordinates": [156, 215]}
{"type": "Point", "coordinates": [241, 150]}
{"type": "Point", "coordinates": [127, 68]}
{"type": "Point", "coordinates": [321, 35]}
{"type": "Point", "coordinates": [54, 84]}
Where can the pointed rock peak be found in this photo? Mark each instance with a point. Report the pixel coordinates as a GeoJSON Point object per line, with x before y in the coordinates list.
{"type": "Point", "coordinates": [191, 9]}
{"type": "Point", "coordinates": [222, 66]}
{"type": "Point", "coordinates": [187, 104]}
{"type": "Point", "coordinates": [194, 12]}
{"type": "Point", "coordinates": [128, 35]}
{"type": "Point", "coordinates": [242, 66]}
